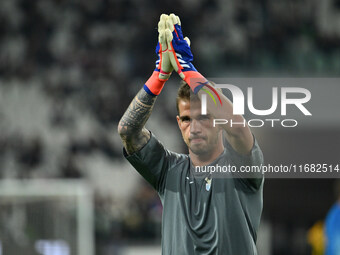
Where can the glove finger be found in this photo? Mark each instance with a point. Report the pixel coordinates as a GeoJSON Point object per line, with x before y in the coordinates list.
{"type": "Point", "coordinates": [173, 21]}
{"type": "Point", "coordinates": [187, 40]}
{"type": "Point", "coordinates": [175, 65]}
{"type": "Point", "coordinates": [162, 39]}
{"type": "Point", "coordinates": [162, 47]}
{"type": "Point", "coordinates": [168, 35]}
{"type": "Point", "coordinates": [161, 30]}
{"type": "Point", "coordinates": [174, 18]}
{"type": "Point", "coordinates": [173, 58]}
{"type": "Point", "coordinates": [161, 26]}
{"type": "Point", "coordinates": [171, 52]}
{"type": "Point", "coordinates": [166, 67]}
{"type": "Point", "coordinates": [177, 31]}
{"type": "Point", "coordinates": [170, 24]}
{"type": "Point", "coordinates": [164, 17]}
{"type": "Point", "coordinates": [178, 20]}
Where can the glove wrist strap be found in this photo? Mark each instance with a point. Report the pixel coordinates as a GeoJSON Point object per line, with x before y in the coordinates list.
{"type": "Point", "coordinates": [195, 80]}
{"type": "Point", "coordinates": [154, 84]}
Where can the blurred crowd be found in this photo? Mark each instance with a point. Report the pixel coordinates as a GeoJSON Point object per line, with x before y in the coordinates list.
{"type": "Point", "coordinates": [68, 70]}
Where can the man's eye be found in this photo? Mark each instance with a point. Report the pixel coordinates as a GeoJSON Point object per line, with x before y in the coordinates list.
{"type": "Point", "coordinates": [186, 119]}
{"type": "Point", "coordinates": [204, 117]}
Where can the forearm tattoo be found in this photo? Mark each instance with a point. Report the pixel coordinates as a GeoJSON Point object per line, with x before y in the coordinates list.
{"type": "Point", "coordinates": [131, 125]}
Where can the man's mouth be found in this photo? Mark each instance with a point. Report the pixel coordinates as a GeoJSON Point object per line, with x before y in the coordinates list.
{"type": "Point", "coordinates": [196, 139]}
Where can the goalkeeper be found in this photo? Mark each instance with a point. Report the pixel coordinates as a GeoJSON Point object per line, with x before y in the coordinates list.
{"type": "Point", "coordinates": [202, 213]}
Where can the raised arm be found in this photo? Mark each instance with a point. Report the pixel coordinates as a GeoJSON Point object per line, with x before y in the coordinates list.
{"type": "Point", "coordinates": [131, 126]}
{"type": "Point", "coordinates": [239, 135]}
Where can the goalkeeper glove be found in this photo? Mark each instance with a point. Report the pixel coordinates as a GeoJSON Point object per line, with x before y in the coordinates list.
{"type": "Point", "coordinates": [164, 68]}
{"type": "Point", "coordinates": [181, 56]}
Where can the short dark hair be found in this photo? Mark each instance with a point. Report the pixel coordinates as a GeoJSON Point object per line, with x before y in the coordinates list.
{"type": "Point", "coordinates": [184, 93]}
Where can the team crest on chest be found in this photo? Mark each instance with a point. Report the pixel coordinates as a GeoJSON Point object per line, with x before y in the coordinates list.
{"type": "Point", "coordinates": [207, 184]}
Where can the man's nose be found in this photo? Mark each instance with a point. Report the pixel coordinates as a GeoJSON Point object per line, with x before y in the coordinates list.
{"type": "Point", "coordinates": [195, 126]}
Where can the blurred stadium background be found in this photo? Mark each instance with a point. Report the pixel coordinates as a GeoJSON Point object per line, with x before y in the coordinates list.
{"type": "Point", "coordinates": [68, 70]}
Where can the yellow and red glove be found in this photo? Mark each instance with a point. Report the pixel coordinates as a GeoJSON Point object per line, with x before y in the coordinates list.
{"type": "Point", "coordinates": [181, 56]}
{"type": "Point", "coordinates": [164, 68]}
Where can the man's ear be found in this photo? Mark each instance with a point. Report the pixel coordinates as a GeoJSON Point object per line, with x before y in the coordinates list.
{"type": "Point", "coordinates": [178, 121]}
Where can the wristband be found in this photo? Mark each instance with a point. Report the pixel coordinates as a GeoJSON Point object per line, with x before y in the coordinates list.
{"type": "Point", "coordinates": [154, 84]}
{"type": "Point", "coordinates": [195, 80]}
